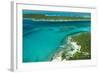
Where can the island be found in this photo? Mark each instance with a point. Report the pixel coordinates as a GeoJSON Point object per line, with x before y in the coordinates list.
{"type": "Point", "coordinates": [77, 47]}
{"type": "Point", "coordinates": [44, 17]}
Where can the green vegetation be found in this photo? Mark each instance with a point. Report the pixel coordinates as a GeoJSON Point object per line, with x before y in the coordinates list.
{"type": "Point", "coordinates": [46, 17]}
{"type": "Point", "coordinates": [81, 52]}
{"type": "Point", "coordinates": [84, 40]}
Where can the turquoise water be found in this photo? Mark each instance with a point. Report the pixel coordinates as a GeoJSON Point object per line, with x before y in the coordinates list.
{"type": "Point", "coordinates": [42, 39]}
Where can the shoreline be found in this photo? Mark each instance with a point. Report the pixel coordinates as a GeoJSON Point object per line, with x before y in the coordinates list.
{"type": "Point", "coordinates": [68, 52]}
{"type": "Point", "coordinates": [59, 20]}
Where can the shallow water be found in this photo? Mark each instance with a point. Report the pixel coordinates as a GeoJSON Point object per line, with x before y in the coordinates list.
{"type": "Point", "coordinates": [42, 39]}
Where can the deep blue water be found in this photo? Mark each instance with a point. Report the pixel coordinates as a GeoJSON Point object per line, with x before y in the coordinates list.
{"type": "Point", "coordinates": [42, 39]}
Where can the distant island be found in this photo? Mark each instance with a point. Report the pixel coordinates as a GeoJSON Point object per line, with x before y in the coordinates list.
{"type": "Point", "coordinates": [44, 17]}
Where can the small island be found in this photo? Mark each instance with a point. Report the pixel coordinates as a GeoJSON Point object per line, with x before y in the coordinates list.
{"type": "Point", "coordinates": [44, 17]}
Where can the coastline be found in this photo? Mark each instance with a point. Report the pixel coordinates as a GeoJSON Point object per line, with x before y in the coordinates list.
{"type": "Point", "coordinates": [58, 20]}
{"type": "Point", "coordinates": [72, 50]}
